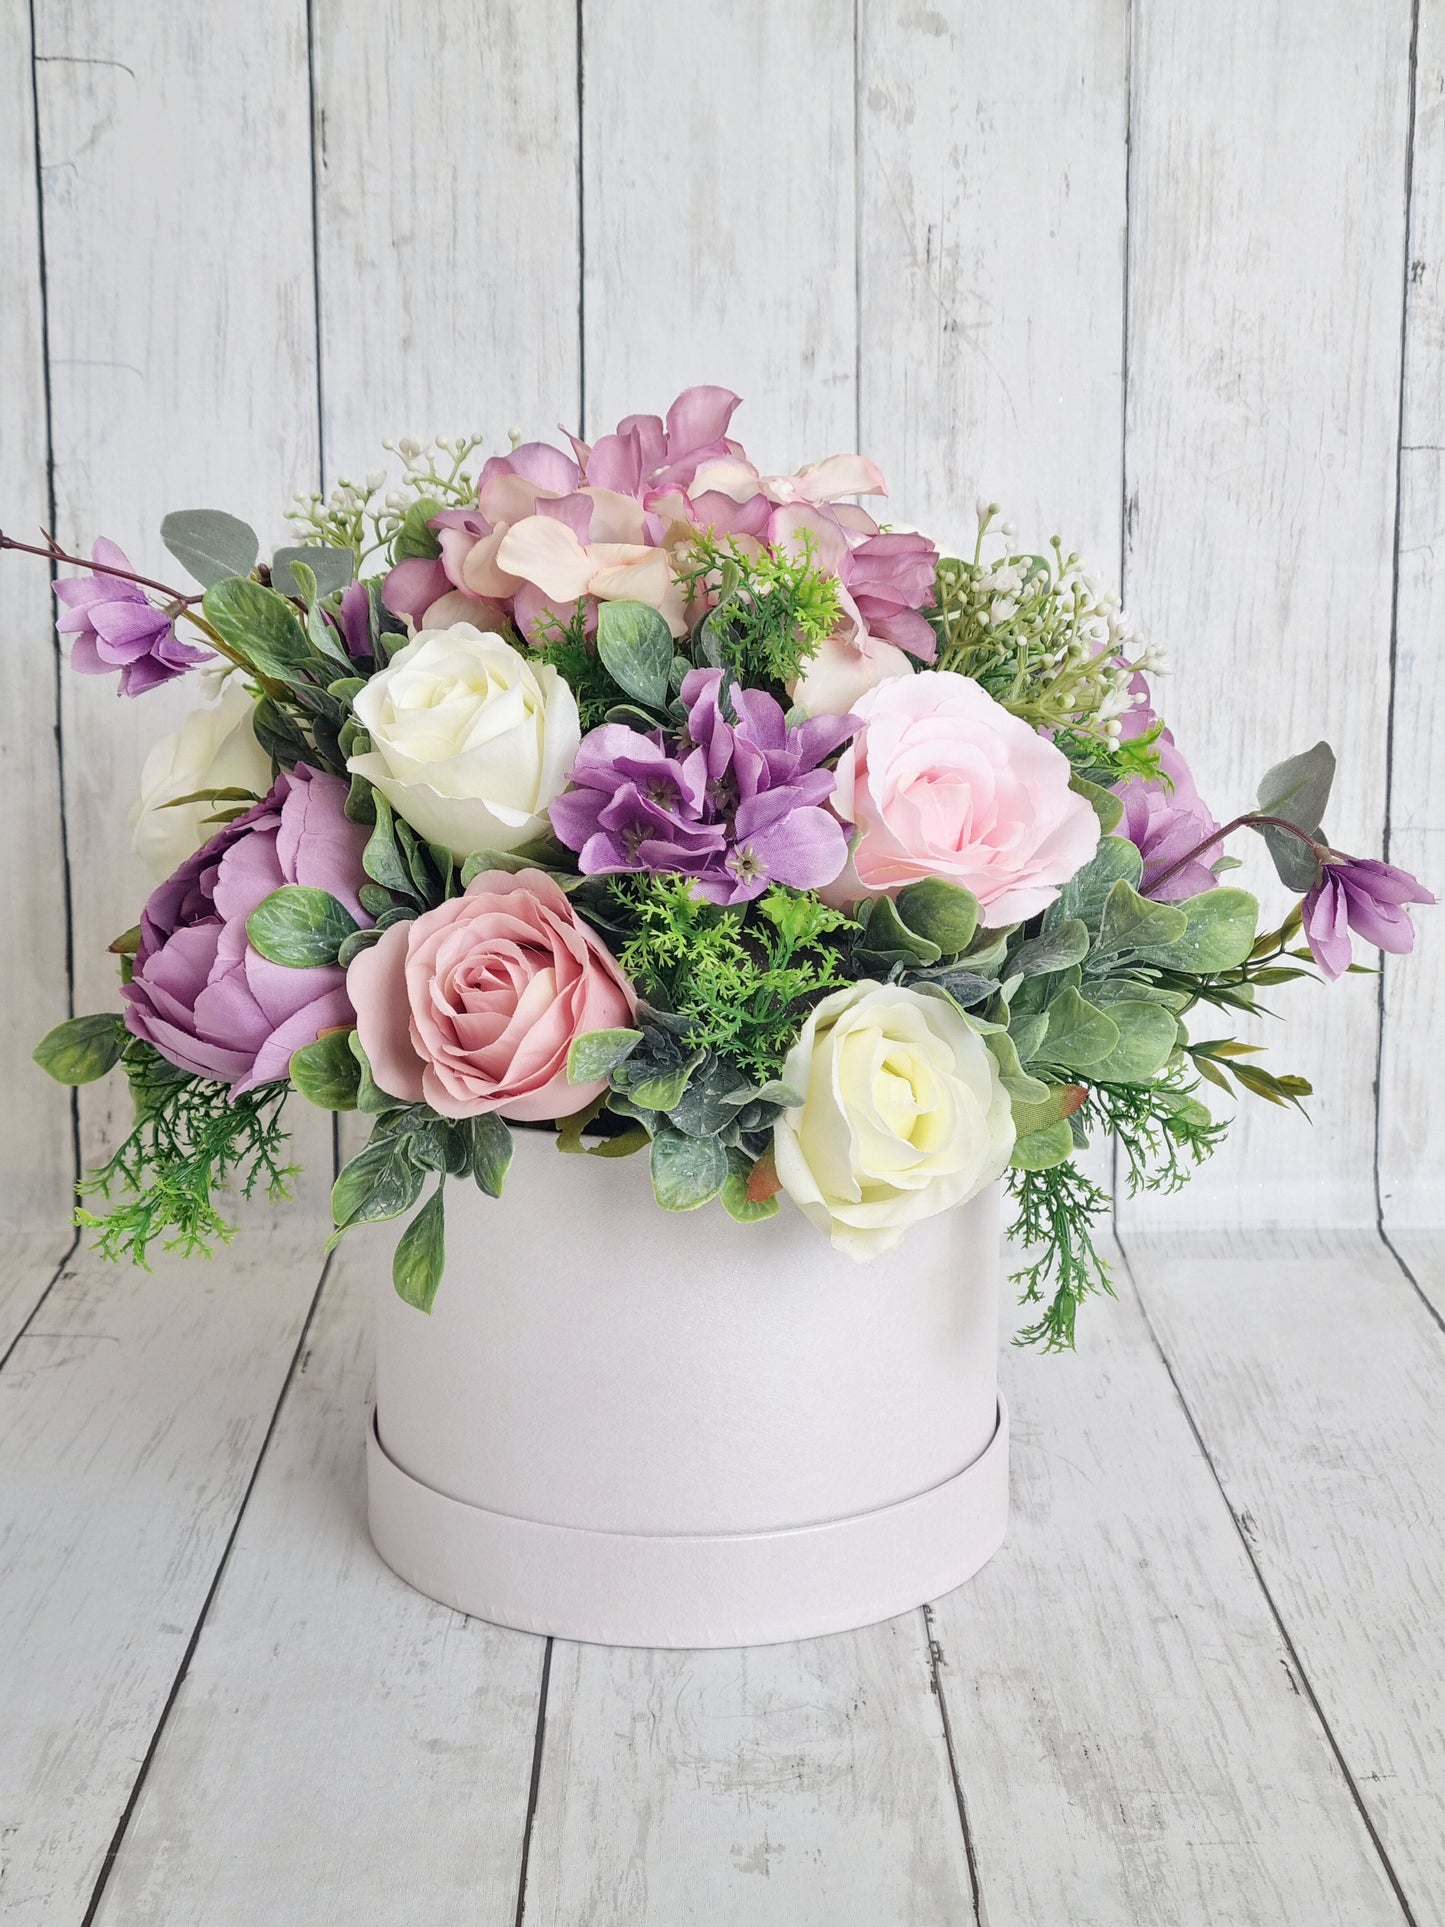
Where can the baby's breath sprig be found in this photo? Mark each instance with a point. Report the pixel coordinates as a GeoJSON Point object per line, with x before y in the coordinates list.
{"type": "Point", "coordinates": [1049, 642]}
{"type": "Point", "coordinates": [358, 516]}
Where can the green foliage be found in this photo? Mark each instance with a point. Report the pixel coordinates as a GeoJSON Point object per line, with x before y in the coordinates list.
{"type": "Point", "coordinates": [261, 626]}
{"type": "Point", "coordinates": [190, 1138]}
{"type": "Point", "coordinates": [743, 982]}
{"type": "Point", "coordinates": [1162, 1129]}
{"type": "Point", "coordinates": [327, 1072]}
{"type": "Point", "coordinates": [1045, 642]}
{"type": "Point", "coordinates": [1298, 790]}
{"type": "Point", "coordinates": [315, 569]}
{"type": "Point", "coordinates": [635, 648]}
{"type": "Point", "coordinates": [775, 608]}
{"type": "Point", "coordinates": [82, 1049]}
{"type": "Point", "coordinates": [300, 926]}
{"type": "Point", "coordinates": [420, 1258]}
{"type": "Point", "coordinates": [1056, 1212]}
{"type": "Point", "coordinates": [211, 545]}
{"type": "Point", "coordinates": [566, 649]}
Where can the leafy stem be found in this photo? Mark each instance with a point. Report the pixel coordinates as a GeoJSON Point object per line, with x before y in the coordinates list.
{"type": "Point", "coordinates": [1251, 819]}
{"type": "Point", "coordinates": [53, 552]}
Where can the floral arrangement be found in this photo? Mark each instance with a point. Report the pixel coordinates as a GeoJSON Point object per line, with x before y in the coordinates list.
{"type": "Point", "coordinates": [631, 794]}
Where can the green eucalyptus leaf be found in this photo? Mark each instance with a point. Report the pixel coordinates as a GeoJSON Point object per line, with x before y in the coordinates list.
{"type": "Point", "coordinates": [1219, 933]}
{"type": "Point", "coordinates": [1148, 1035]}
{"type": "Point", "coordinates": [1061, 1101]}
{"type": "Point", "coordinates": [1105, 805]}
{"type": "Point", "coordinates": [635, 646]}
{"type": "Point", "coordinates": [326, 1073]}
{"type": "Point", "coordinates": [1131, 925]}
{"type": "Point", "coordinates": [420, 1259]}
{"type": "Point", "coordinates": [686, 1171]}
{"type": "Point", "coordinates": [735, 1192]}
{"type": "Point", "coordinates": [662, 1091]}
{"type": "Point", "coordinates": [300, 926]}
{"type": "Point", "coordinates": [1027, 1029]}
{"type": "Point", "coordinates": [381, 1181]}
{"type": "Point", "coordinates": [1021, 1087]}
{"type": "Point", "coordinates": [1085, 894]}
{"type": "Point", "coordinates": [331, 569]}
{"type": "Point", "coordinates": [1043, 1149]}
{"type": "Point", "coordinates": [82, 1049]}
{"type": "Point", "coordinates": [1067, 943]}
{"type": "Point", "coordinates": [211, 545]}
{"type": "Point", "coordinates": [382, 858]}
{"type": "Point", "coordinates": [1298, 789]}
{"type": "Point", "coordinates": [1079, 1035]}
{"type": "Point", "coordinates": [943, 914]}
{"type": "Point", "coordinates": [371, 1099]}
{"type": "Point", "coordinates": [358, 941]}
{"type": "Point", "coordinates": [887, 937]}
{"type": "Point", "coordinates": [492, 1149]}
{"type": "Point", "coordinates": [414, 541]}
{"type": "Point", "coordinates": [261, 626]}
{"type": "Point", "coordinates": [597, 1053]}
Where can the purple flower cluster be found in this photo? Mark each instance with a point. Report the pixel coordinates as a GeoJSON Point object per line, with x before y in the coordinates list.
{"type": "Point", "coordinates": [1357, 893]}
{"type": "Point", "coordinates": [116, 627]}
{"type": "Point", "coordinates": [735, 802]}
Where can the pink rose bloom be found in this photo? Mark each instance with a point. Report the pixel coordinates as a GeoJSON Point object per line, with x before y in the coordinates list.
{"type": "Point", "coordinates": [941, 781]}
{"type": "Point", "coordinates": [474, 1006]}
{"type": "Point", "coordinates": [200, 993]}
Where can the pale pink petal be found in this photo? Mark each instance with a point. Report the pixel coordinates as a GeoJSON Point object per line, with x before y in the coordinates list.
{"type": "Point", "coordinates": [548, 554]}
{"type": "Point", "coordinates": [376, 985]}
{"type": "Point", "coordinates": [840, 475]}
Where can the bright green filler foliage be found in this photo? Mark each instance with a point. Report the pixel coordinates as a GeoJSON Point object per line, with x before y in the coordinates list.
{"type": "Point", "coordinates": [1085, 1007]}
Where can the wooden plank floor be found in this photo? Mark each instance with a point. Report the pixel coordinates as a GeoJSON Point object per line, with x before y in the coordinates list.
{"type": "Point", "coordinates": [1202, 1683]}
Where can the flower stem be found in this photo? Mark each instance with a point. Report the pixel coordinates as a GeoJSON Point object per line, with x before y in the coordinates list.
{"type": "Point", "coordinates": [1253, 819]}
{"type": "Point", "coordinates": [54, 553]}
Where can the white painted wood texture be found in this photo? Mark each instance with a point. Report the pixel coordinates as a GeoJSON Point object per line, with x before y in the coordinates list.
{"type": "Point", "coordinates": [36, 1158]}
{"type": "Point", "coordinates": [1266, 248]}
{"type": "Point", "coordinates": [132, 1414]}
{"type": "Point", "coordinates": [1315, 1371]}
{"type": "Point", "coordinates": [1412, 1118]}
{"type": "Point", "coordinates": [1133, 254]}
{"type": "Point", "coordinates": [341, 1748]}
{"type": "Point", "coordinates": [179, 271]}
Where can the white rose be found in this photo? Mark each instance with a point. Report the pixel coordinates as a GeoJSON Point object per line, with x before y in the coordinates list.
{"type": "Point", "coordinates": [903, 1115]}
{"type": "Point", "coordinates": [470, 741]}
{"type": "Point", "coordinates": [215, 748]}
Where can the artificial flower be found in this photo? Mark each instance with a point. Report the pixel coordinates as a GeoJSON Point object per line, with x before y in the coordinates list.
{"type": "Point", "coordinates": [199, 992]}
{"type": "Point", "coordinates": [1360, 894]}
{"type": "Point", "coordinates": [903, 1115]}
{"type": "Point", "coordinates": [1166, 818]}
{"type": "Point", "coordinates": [470, 739]}
{"type": "Point", "coordinates": [116, 626]}
{"type": "Point", "coordinates": [736, 804]}
{"type": "Point", "coordinates": [215, 748]}
{"type": "Point", "coordinates": [475, 1005]}
{"type": "Point", "coordinates": [941, 781]}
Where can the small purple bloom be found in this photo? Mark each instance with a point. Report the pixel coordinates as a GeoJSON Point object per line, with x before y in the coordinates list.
{"type": "Point", "coordinates": [1166, 820]}
{"type": "Point", "coordinates": [736, 805]}
{"type": "Point", "coordinates": [1357, 893]}
{"type": "Point", "coordinates": [200, 993]}
{"type": "Point", "coordinates": [116, 627]}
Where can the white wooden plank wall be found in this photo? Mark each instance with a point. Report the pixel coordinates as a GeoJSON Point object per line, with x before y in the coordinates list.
{"type": "Point", "coordinates": [1159, 261]}
{"type": "Point", "coordinates": [1170, 281]}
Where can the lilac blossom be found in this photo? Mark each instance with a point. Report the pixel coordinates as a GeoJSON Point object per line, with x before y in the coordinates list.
{"type": "Point", "coordinates": [736, 802]}
{"type": "Point", "coordinates": [1360, 894]}
{"type": "Point", "coordinates": [115, 626]}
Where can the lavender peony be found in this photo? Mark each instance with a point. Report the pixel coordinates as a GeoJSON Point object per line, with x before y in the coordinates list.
{"type": "Point", "coordinates": [200, 993]}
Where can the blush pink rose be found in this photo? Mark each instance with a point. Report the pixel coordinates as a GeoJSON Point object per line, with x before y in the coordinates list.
{"type": "Point", "coordinates": [474, 1006]}
{"type": "Point", "coordinates": [942, 781]}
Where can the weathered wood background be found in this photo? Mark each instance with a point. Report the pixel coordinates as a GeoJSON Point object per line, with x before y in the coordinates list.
{"type": "Point", "coordinates": [1167, 281]}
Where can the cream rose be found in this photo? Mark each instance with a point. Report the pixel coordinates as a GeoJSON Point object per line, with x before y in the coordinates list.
{"type": "Point", "coordinates": [215, 748]}
{"type": "Point", "coordinates": [942, 781]}
{"type": "Point", "coordinates": [903, 1115]}
{"type": "Point", "coordinates": [470, 740]}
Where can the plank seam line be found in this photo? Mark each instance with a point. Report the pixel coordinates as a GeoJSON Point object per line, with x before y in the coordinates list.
{"type": "Point", "coordinates": [581, 228]}
{"type": "Point", "coordinates": [935, 1661]}
{"type": "Point", "coordinates": [113, 1850]}
{"type": "Point", "coordinates": [47, 394]}
{"type": "Point", "coordinates": [1291, 1650]}
{"type": "Point", "coordinates": [859, 22]}
{"type": "Point", "coordinates": [34, 1312]}
{"type": "Point", "coordinates": [1412, 1280]}
{"type": "Point", "coordinates": [1381, 1010]}
{"type": "Point", "coordinates": [534, 1787]}
{"type": "Point", "coordinates": [313, 150]}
